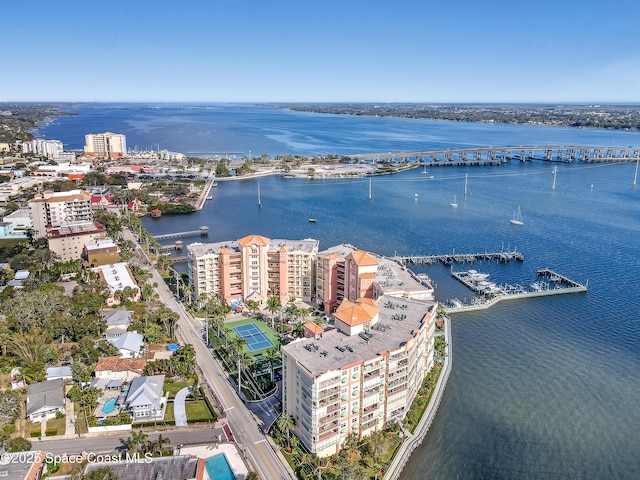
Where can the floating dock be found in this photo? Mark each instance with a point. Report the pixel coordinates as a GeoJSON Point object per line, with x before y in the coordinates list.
{"type": "Point", "coordinates": [451, 258]}
{"type": "Point", "coordinates": [493, 294]}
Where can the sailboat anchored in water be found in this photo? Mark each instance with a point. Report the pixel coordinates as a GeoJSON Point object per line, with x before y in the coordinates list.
{"type": "Point", "coordinates": [517, 217]}
{"type": "Point", "coordinates": [454, 204]}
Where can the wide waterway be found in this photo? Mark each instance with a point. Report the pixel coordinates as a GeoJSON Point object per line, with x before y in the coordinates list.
{"type": "Point", "coordinates": [544, 388]}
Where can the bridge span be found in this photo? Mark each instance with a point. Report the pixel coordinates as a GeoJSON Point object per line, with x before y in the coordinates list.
{"type": "Point", "coordinates": [502, 154]}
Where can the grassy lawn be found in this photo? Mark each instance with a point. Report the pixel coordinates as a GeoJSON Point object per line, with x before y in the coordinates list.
{"type": "Point", "coordinates": [81, 422]}
{"type": "Point", "coordinates": [33, 429]}
{"type": "Point", "coordinates": [198, 410]}
{"type": "Point", "coordinates": [172, 387]}
{"type": "Point", "coordinates": [57, 424]}
{"type": "Point", "coordinates": [168, 413]}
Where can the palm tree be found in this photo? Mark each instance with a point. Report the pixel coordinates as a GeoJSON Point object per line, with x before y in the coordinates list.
{"type": "Point", "coordinates": [156, 447]}
{"type": "Point", "coordinates": [30, 348]}
{"type": "Point", "coordinates": [286, 423]}
{"type": "Point", "coordinates": [137, 441]}
{"type": "Point", "coordinates": [298, 330]}
{"type": "Point", "coordinates": [272, 355]}
{"type": "Point", "coordinates": [253, 306]}
{"type": "Point", "coordinates": [244, 362]}
{"type": "Point", "coordinates": [273, 305]}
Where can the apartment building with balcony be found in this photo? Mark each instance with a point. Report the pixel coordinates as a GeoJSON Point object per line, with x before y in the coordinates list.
{"type": "Point", "coordinates": [68, 241]}
{"type": "Point", "coordinates": [254, 267]}
{"type": "Point", "coordinates": [360, 376]}
{"type": "Point", "coordinates": [343, 272]}
{"type": "Point", "coordinates": [43, 148]}
{"type": "Point", "coordinates": [54, 209]}
{"type": "Point", "coordinates": [107, 145]}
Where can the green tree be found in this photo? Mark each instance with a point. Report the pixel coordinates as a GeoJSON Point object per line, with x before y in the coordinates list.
{"type": "Point", "coordinates": [18, 444]}
{"type": "Point", "coordinates": [30, 348]}
{"type": "Point", "coordinates": [157, 446]}
{"type": "Point", "coordinates": [137, 442]}
{"type": "Point", "coordinates": [272, 355]}
{"type": "Point", "coordinates": [273, 305]}
{"type": "Point", "coordinates": [286, 423]}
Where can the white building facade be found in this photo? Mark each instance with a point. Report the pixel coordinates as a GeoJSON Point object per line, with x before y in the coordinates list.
{"type": "Point", "coordinates": [108, 145]}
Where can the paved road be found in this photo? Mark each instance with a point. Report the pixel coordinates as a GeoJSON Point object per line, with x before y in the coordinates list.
{"type": "Point", "coordinates": [111, 443]}
{"type": "Point", "coordinates": [256, 446]}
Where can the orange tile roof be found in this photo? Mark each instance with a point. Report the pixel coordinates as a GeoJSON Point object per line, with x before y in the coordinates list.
{"type": "Point", "coordinates": [367, 275]}
{"type": "Point", "coordinates": [355, 313]}
{"type": "Point", "coordinates": [363, 258]}
{"type": "Point", "coordinates": [254, 240]}
{"type": "Point", "coordinates": [117, 364]}
{"type": "Point", "coordinates": [368, 301]}
{"type": "Point", "coordinates": [313, 328]}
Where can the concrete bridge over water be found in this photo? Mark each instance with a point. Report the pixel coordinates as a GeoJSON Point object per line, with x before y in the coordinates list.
{"type": "Point", "coordinates": [502, 154]}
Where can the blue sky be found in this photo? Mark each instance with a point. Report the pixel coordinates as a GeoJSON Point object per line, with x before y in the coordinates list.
{"type": "Point", "coordinates": [327, 50]}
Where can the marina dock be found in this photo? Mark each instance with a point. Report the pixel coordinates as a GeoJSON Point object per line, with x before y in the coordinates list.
{"type": "Point", "coordinates": [491, 294]}
{"type": "Point", "coordinates": [450, 258]}
{"type": "Point", "coordinates": [202, 231]}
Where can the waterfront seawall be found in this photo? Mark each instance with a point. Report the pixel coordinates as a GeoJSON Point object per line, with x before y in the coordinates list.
{"type": "Point", "coordinates": [414, 440]}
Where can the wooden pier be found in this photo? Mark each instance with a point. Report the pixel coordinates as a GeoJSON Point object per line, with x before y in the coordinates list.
{"type": "Point", "coordinates": [203, 231]}
{"type": "Point", "coordinates": [448, 259]}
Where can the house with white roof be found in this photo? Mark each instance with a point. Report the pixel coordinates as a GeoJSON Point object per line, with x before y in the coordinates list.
{"type": "Point", "coordinates": [145, 399]}
{"type": "Point", "coordinates": [129, 344]}
{"type": "Point", "coordinates": [118, 276]}
{"type": "Point", "coordinates": [64, 373]}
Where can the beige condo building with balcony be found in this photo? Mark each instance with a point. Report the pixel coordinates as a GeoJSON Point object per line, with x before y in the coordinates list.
{"type": "Point", "coordinates": [253, 267]}
{"type": "Point", "coordinates": [55, 209]}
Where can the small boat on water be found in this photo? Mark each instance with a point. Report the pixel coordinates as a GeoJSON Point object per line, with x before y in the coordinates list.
{"type": "Point", "coordinates": [312, 220]}
{"type": "Point", "coordinates": [517, 218]}
{"type": "Point", "coordinates": [454, 204]}
{"type": "Point", "coordinates": [209, 197]}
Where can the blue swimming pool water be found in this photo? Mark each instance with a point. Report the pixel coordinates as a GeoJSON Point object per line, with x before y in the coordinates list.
{"type": "Point", "coordinates": [109, 405]}
{"type": "Point", "coordinates": [218, 468]}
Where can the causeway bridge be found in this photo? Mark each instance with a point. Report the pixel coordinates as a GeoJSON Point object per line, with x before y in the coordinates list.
{"type": "Point", "coordinates": [503, 154]}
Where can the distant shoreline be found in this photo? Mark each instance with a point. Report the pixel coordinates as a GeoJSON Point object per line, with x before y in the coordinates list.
{"type": "Point", "coordinates": [612, 117]}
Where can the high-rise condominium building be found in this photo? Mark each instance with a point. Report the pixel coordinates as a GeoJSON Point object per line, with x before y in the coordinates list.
{"type": "Point", "coordinates": [363, 373]}
{"type": "Point", "coordinates": [108, 145]}
{"type": "Point", "coordinates": [254, 267]}
{"type": "Point", "coordinates": [54, 209]}
{"type": "Point", "coordinates": [43, 148]}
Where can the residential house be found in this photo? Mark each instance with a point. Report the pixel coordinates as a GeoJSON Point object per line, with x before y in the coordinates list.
{"type": "Point", "coordinates": [145, 400]}
{"type": "Point", "coordinates": [117, 321]}
{"type": "Point", "coordinates": [129, 344]}
{"type": "Point", "coordinates": [117, 276]}
{"type": "Point", "coordinates": [175, 467]}
{"type": "Point", "coordinates": [125, 369]}
{"type": "Point", "coordinates": [45, 399]}
{"type": "Point", "coordinates": [65, 373]}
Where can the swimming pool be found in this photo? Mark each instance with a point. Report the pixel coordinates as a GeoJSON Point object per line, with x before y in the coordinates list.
{"type": "Point", "coordinates": [109, 405]}
{"type": "Point", "coordinates": [218, 468]}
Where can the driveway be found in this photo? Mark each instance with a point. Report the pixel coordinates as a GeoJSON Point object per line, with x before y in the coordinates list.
{"type": "Point", "coordinates": [179, 411]}
{"type": "Point", "coordinates": [267, 410]}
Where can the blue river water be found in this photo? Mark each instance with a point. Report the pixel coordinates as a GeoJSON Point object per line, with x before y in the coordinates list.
{"type": "Point", "coordinates": [544, 388]}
